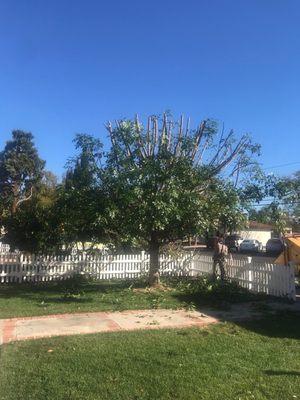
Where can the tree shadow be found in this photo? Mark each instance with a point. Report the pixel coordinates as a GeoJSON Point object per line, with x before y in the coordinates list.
{"type": "Point", "coordinates": [61, 300]}
{"type": "Point", "coordinates": [280, 373]}
{"type": "Point", "coordinates": [281, 324]}
{"type": "Point", "coordinates": [217, 294]}
{"type": "Point", "coordinates": [26, 290]}
{"type": "Point", "coordinates": [69, 291]}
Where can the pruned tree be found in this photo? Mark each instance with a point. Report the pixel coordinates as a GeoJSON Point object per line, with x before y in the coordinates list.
{"type": "Point", "coordinates": [161, 177]}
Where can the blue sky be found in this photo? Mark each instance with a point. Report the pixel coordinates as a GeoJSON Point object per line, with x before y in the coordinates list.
{"type": "Point", "coordinates": [69, 66]}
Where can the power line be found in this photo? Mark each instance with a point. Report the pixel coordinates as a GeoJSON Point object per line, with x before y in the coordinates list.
{"type": "Point", "coordinates": [282, 165]}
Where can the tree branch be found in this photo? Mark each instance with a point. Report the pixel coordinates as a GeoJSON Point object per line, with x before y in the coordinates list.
{"type": "Point", "coordinates": [25, 198]}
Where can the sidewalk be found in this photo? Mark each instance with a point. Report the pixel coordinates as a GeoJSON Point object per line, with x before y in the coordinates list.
{"type": "Point", "coordinates": [15, 329]}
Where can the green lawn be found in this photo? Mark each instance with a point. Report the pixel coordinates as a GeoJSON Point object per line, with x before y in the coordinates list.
{"type": "Point", "coordinates": [20, 300]}
{"type": "Point", "coordinates": [256, 360]}
{"type": "Point", "coordinates": [29, 300]}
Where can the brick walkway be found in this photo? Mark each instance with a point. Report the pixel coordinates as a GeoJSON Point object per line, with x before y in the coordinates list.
{"type": "Point", "coordinates": [15, 329]}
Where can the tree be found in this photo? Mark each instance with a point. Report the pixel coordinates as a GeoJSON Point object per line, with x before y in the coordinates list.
{"type": "Point", "coordinates": [21, 170]}
{"type": "Point", "coordinates": [161, 178]}
{"type": "Point", "coordinates": [283, 198]}
{"type": "Point", "coordinates": [291, 199]}
{"type": "Point", "coordinates": [81, 203]}
{"type": "Point", "coordinates": [272, 214]}
{"type": "Point", "coordinates": [33, 227]}
{"type": "Point", "coordinates": [295, 206]}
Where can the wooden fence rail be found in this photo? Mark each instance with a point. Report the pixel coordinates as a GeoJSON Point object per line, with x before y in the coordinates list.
{"type": "Point", "coordinates": [276, 280]}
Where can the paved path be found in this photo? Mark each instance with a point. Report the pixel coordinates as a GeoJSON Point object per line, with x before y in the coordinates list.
{"type": "Point", "coordinates": [15, 329]}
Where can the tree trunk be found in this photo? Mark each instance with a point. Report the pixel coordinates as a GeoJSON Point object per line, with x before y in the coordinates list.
{"type": "Point", "coordinates": [154, 263]}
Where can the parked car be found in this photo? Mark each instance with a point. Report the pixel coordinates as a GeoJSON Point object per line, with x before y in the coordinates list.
{"type": "Point", "coordinates": [274, 246]}
{"type": "Point", "coordinates": [251, 245]}
{"type": "Point", "coordinates": [233, 242]}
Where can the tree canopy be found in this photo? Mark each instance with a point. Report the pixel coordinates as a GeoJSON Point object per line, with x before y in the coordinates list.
{"type": "Point", "coordinates": [33, 227]}
{"type": "Point", "coordinates": [281, 206]}
{"type": "Point", "coordinates": [164, 177]}
{"type": "Point", "coordinates": [81, 204]}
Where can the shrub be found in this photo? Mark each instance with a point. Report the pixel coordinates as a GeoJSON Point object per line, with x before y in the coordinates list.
{"type": "Point", "coordinates": [215, 291]}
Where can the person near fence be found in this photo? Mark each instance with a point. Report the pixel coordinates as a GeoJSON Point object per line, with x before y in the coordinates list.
{"type": "Point", "coordinates": [219, 257]}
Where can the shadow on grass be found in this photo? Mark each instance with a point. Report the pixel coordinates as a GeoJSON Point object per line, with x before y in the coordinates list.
{"type": "Point", "coordinates": [26, 289]}
{"type": "Point", "coordinates": [71, 291]}
{"type": "Point", "coordinates": [282, 324]}
{"type": "Point", "coordinates": [219, 294]}
{"type": "Point", "coordinates": [62, 299]}
{"type": "Point", "coordinates": [280, 373]}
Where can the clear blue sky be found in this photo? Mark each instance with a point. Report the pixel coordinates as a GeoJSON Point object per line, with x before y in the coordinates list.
{"type": "Point", "coordinates": [68, 66]}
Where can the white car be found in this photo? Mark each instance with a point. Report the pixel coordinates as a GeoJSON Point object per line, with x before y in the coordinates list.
{"type": "Point", "coordinates": [251, 245]}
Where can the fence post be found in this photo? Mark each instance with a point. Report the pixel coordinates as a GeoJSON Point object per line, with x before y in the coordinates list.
{"type": "Point", "coordinates": [125, 259]}
{"type": "Point", "coordinates": [191, 266]}
{"type": "Point", "coordinates": [19, 267]}
{"type": "Point", "coordinates": [82, 265]}
{"type": "Point", "coordinates": [142, 264]}
{"type": "Point", "coordinates": [250, 271]}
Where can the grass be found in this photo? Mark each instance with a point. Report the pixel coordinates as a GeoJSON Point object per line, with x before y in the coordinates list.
{"type": "Point", "coordinates": [257, 360]}
{"type": "Point", "coordinates": [21, 300]}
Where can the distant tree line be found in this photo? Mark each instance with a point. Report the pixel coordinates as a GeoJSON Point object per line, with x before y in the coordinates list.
{"type": "Point", "coordinates": [159, 182]}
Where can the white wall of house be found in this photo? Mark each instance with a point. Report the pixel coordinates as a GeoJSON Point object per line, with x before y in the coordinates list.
{"type": "Point", "coordinates": [261, 235]}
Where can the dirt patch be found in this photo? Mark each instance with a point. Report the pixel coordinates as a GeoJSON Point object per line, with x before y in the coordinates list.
{"type": "Point", "coordinates": [159, 288]}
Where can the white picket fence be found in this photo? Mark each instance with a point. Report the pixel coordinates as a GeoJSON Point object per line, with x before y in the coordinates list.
{"type": "Point", "coordinates": [276, 280]}
{"type": "Point", "coordinates": [257, 276]}
{"type": "Point", "coordinates": [30, 268]}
